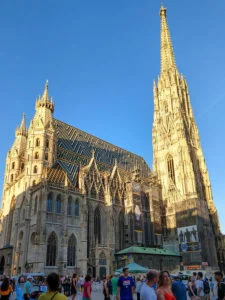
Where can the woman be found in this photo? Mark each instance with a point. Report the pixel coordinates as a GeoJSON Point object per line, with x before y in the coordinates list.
{"type": "Point", "coordinates": [73, 286]}
{"type": "Point", "coordinates": [87, 288]}
{"type": "Point", "coordinates": [192, 290]}
{"type": "Point", "coordinates": [164, 291]}
{"type": "Point", "coordinates": [5, 289]}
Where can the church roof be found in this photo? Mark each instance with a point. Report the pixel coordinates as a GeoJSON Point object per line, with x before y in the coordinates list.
{"type": "Point", "coordinates": [75, 148]}
{"type": "Point", "coordinates": [147, 250]}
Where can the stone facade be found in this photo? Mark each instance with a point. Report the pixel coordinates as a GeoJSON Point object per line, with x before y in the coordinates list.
{"type": "Point", "coordinates": [71, 200]}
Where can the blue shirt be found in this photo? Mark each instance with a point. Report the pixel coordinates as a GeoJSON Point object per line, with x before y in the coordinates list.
{"type": "Point", "coordinates": [179, 290]}
{"type": "Point", "coordinates": [27, 287]}
{"type": "Point", "coordinates": [125, 285]}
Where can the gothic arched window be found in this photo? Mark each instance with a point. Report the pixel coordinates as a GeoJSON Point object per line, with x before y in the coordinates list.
{"type": "Point", "coordinates": [11, 178]}
{"type": "Point", "coordinates": [131, 227]}
{"type": "Point", "coordinates": [35, 205]}
{"type": "Point", "coordinates": [35, 169]}
{"type": "Point", "coordinates": [36, 156]}
{"type": "Point", "coordinates": [13, 165]}
{"type": "Point", "coordinates": [97, 226]}
{"type": "Point", "coordinates": [76, 208]}
{"type": "Point", "coordinates": [47, 143]}
{"type": "Point", "coordinates": [37, 142]}
{"type": "Point", "coordinates": [69, 206]}
{"type": "Point", "coordinates": [101, 194]}
{"type": "Point", "coordinates": [46, 156]}
{"type": "Point", "coordinates": [121, 230]}
{"type": "Point", "coordinates": [49, 203]}
{"type": "Point", "coordinates": [93, 192]}
{"type": "Point", "coordinates": [58, 204]}
{"type": "Point", "coordinates": [71, 251]}
{"type": "Point", "coordinates": [51, 250]}
{"type": "Point", "coordinates": [102, 259]}
{"type": "Point", "coordinates": [170, 166]}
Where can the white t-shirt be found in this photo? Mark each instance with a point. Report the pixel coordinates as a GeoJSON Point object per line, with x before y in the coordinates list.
{"type": "Point", "coordinates": [147, 293]}
{"type": "Point", "coordinates": [199, 284]}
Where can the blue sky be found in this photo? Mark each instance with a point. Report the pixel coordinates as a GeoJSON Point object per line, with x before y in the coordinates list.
{"type": "Point", "coordinates": [101, 57]}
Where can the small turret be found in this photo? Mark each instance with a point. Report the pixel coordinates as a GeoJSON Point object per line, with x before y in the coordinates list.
{"type": "Point", "coordinates": [45, 100]}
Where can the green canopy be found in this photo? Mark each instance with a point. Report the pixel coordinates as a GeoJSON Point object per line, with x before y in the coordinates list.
{"type": "Point", "coordinates": [133, 268]}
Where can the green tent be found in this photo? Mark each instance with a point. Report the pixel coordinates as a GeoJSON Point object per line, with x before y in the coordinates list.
{"type": "Point", "coordinates": [133, 268]}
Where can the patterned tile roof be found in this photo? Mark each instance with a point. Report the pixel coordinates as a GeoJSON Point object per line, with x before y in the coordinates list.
{"type": "Point", "coordinates": [75, 150]}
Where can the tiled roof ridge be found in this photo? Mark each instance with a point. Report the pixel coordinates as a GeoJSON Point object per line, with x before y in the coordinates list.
{"type": "Point", "coordinates": [100, 139]}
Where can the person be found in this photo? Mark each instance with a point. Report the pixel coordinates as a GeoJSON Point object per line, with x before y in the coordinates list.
{"type": "Point", "coordinates": [147, 291]}
{"type": "Point", "coordinates": [179, 289]}
{"type": "Point", "coordinates": [200, 286]}
{"type": "Point", "coordinates": [125, 286]}
{"type": "Point", "coordinates": [27, 288]}
{"type": "Point", "coordinates": [114, 282]}
{"type": "Point", "coordinates": [73, 286]}
{"type": "Point", "coordinates": [192, 291]}
{"type": "Point", "coordinates": [87, 288]}
{"type": "Point", "coordinates": [195, 276]}
{"type": "Point", "coordinates": [206, 288]}
{"type": "Point", "coordinates": [105, 287]}
{"type": "Point", "coordinates": [164, 291]}
{"type": "Point", "coordinates": [211, 285]}
{"type": "Point", "coordinates": [53, 282]}
{"type": "Point", "coordinates": [138, 287]}
{"type": "Point", "coordinates": [5, 289]}
{"type": "Point", "coordinates": [220, 285]}
{"type": "Point", "coordinates": [82, 282]}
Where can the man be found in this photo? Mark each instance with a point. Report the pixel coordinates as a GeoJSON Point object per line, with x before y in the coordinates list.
{"type": "Point", "coordinates": [220, 285]}
{"type": "Point", "coordinates": [114, 282]}
{"type": "Point", "coordinates": [147, 290]}
{"type": "Point", "coordinates": [125, 286]}
{"type": "Point", "coordinates": [200, 286]}
{"type": "Point", "coordinates": [179, 289]}
{"type": "Point", "coordinates": [27, 288]}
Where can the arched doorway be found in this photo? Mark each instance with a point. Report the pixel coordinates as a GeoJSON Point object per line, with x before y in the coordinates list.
{"type": "Point", "coordinates": [2, 265]}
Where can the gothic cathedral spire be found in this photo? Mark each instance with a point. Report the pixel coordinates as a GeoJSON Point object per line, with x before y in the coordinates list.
{"type": "Point", "coordinates": [179, 163]}
{"type": "Point", "coordinates": [167, 55]}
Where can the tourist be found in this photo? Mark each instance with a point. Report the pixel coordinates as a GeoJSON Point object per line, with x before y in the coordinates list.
{"type": "Point", "coordinates": [105, 287]}
{"type": "Point", "coordinates": [192, 290]}
{"type": "Point", "coordinates": [147, 291]}
{"type": "Point", "coordinates": [179, 289]}
{"type": "Point", "coordinates": [114, 282]}
{"type": "Point", "coordinates": [73, 286]}
{"type": "Point", "coordinates": [5, 289]}
{"type": "Point", "coordinates": [125, 286]}
{"type": "Point", "coordinates": [195, 276]}
{"type": "Point", "coordinates": [27, 288]}
{"type": "Point", "coordinates": [200, 286]}
{"type": "Point", "coordinates": [220, 285]}
{"type": "Point", "coordinates": [138, 287]}
{"type": "Point", "coordinates": [53, 282]}
{"type": "Point", "coordinates": [164, 291]}
{"type": "Point", "coordinates": [211, 285]}
{"type": "Point", "coordinates": [87, 288]}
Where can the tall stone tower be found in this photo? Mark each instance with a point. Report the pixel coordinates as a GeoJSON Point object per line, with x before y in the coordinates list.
{"type": "Point", "coordinates": [189, 215]}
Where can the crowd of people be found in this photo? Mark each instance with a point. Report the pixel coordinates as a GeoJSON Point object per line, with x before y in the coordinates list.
{"type": "Point", "coordinates": [152, 286]}
{"type": "Point", "coordinates": [160, 286]}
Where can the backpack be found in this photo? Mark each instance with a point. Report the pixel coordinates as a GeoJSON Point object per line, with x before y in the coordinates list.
{"type": "Point", "coordinates": [206, 288]}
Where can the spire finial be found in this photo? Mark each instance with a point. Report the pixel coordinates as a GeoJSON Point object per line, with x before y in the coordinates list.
{"type": "Point", "coordinates": [23, 123]}
{"type": "Point", "coordinates": [45, 94]}
{"type": "Point", "coordinates": [167, 55]}
{"type": "Point", "coordinates": [93, 153]}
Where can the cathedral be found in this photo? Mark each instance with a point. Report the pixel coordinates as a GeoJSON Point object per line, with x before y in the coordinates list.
{"type": "Point", "coordinates": [71, 201]}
